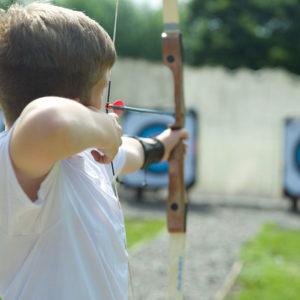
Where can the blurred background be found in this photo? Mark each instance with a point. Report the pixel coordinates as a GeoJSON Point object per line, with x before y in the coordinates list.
{"type": "Point", "coordinates": [241, 80]}
{"type": "Point", "coordinates": [241, 77]}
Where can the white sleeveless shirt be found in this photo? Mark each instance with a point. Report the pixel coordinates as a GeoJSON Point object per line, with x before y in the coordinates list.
{"type": "Point", "coordinates": [70, 243]}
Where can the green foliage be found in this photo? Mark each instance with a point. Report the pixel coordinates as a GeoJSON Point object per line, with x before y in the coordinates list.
{"type": "Point", "coordinates": [139, 230]}
{"type": "Point", "coordinates": [250, 33]}
{"type": "Point", "coordinates": [271, 266]}
{"type": "Point", "coordinates": [239, 33]}
{"type": "Point", "coordinates": [138, 28]}
{"type": "Point", "coordinates": [4, 4]}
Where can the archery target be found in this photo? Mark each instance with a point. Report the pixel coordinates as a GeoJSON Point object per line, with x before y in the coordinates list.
{"type": "Point", "coordinates": [156, 175]}
{"type": "Point", "coordinates": [292, 158]}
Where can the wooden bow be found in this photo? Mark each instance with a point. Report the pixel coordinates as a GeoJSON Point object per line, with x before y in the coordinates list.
{"type": "Point", "coordinates": [177, 199]}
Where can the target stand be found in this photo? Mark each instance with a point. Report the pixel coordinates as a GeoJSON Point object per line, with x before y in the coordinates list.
{"type": "Point", "coordinates": [155, 177]}
{"type": "Point", "coordinates": [291, 181]}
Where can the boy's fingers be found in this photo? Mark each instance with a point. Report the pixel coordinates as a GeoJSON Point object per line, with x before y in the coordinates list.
{"type": "Point", "coordinates": [96, 155]}
{"type": "Point", "coordinates": [100, 158]}
{"type": "Point", "coordinates": [114, 116]}
{"type": "Point", "coordinates": [116, 119]}
{"type": "Point", "coordinates": [183, 134]}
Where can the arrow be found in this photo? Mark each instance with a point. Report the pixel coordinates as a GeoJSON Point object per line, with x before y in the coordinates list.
{"type": "Point", "coordinates": [119, 107]}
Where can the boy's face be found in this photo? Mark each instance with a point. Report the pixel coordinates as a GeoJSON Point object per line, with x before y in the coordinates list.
{"type": "Point", "coordinates": [97, 91]}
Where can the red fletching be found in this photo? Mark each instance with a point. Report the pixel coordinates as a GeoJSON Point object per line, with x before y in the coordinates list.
{"type": "Point", "coordinates": [119, 103]}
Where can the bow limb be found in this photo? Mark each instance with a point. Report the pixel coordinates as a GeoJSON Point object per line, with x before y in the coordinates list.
{"type": "Point", "coordinates": [177, 199]}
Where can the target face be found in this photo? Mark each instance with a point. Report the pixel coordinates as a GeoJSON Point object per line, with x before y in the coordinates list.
{"type": "Point", "coordinates": [151, 125]}
{"type": "Point", "coordinates": [292, 158]}
{"type": "Point", "coordinates": [297, 155]}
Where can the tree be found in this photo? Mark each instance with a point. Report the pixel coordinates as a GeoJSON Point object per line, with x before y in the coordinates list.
{"type": "Point", "coordinates": [138, 28]}
{"type": "Point", "coordinates": [4, 4]}
{"type": "Point", "coordinates": [250, 33]}
{"type": "Point", "coordinates": [232, 33]}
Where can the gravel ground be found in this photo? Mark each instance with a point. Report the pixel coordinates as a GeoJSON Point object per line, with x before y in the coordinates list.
{"type": "Point", "coordinates": [217, 228]}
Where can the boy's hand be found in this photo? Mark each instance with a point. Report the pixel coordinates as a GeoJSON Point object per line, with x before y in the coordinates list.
{"type": "Point", "coordinates": [106, 155]}
{"type": "Point", "coordinates": [170, 138]}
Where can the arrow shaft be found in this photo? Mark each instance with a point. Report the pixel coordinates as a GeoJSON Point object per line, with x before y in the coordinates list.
{"type": "Point", "coordinates": [143, 110]}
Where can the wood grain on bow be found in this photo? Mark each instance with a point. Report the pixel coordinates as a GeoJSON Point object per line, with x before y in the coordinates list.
{"type": "Point", "coordinates": [177, 200]}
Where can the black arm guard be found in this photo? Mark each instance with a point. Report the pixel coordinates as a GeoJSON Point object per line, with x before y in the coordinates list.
{"type": "Point", "coordinates": [154, 150]}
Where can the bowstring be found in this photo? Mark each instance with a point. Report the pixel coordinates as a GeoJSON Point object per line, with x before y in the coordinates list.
{"type": "Point", "coordinates": [109, 90]}
{"type": "Point", "coordinates": [106, 109]}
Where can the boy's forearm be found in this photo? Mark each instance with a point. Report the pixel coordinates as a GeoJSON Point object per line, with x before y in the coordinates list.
{"type": "Point", "coordinates": [134, 155]}
{"type": "Point", "coordinates": [85, 128]}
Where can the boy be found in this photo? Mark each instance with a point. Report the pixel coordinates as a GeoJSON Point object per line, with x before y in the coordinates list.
{"type": "Point", "coordinates": [62, 233]}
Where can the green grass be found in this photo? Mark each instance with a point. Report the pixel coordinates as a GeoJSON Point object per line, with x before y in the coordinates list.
{"type": "Point", "coordinates": [140, 230]}
{"type": "Point", "coordinates": [271, 266]}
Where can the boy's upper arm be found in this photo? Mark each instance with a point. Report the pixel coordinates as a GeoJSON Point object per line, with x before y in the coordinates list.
{"type": "Point", "coordinates": [33, 147]}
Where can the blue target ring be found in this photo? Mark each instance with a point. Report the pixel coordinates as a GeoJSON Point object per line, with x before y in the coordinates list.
{"type": "Point", "coordinates": [150, 131]}
{"type": "Point", "coordinates": [297, 156]}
